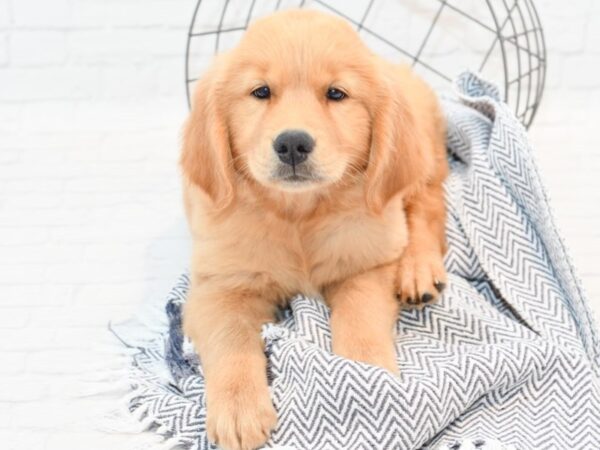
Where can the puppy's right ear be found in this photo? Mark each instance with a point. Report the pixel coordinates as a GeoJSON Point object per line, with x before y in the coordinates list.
{"type": "Point", "coordinates": [206, 156]}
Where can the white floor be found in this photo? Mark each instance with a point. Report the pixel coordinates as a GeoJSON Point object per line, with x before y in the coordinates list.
{"type": "Point", "coordinates": [91, 102]}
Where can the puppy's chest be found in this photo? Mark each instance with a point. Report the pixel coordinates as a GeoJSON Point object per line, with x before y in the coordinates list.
{"type": "Point", "coordinates": [348, 243]}
{"type": "Point", "coordinates": [304, 256]}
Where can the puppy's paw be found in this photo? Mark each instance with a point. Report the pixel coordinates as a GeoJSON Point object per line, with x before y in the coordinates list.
{"type": "Point", "coordinates": [421, 278]}
{"type": "Point", "coordinates": [240, 415]}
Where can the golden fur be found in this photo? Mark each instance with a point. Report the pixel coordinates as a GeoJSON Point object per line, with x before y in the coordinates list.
{"type": "Point", "coordinates": [366, 234]}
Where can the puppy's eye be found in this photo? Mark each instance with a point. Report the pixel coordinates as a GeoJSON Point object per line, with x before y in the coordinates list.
{"type": "Point", "coordinates": [262, 92]}
{"type": "Point", "coordinates": [335, 94]}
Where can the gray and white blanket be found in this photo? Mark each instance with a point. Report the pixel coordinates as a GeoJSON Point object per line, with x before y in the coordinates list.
{"type": "Point", "coordinates": [509, 358]}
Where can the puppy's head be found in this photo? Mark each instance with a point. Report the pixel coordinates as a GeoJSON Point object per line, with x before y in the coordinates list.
{"type": "Point", "coordinates": [301, 104]}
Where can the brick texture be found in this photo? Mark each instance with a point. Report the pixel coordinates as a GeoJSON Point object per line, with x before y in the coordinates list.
{"type": "Point", "coordinates": [91, 223]}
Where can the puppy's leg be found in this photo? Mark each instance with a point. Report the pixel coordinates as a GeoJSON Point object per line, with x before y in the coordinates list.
{"type": "Point", "coordinates": [421, 275]}
{"type": "Point", "coordinates": [225, 329]}
{"type": "Point", "coordinates": [363, 315]}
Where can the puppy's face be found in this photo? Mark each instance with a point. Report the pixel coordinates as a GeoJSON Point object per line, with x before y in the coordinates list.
{"type": "Point", "coordinates": [299, 105]}
{"type": "Point", "coordinates": [298, 94]}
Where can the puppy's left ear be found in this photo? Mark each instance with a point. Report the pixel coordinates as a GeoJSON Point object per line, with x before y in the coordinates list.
{"type": "Point", "coordinates": [400, 155]}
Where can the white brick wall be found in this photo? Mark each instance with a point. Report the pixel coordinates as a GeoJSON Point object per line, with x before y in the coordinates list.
{"type": "Point", "coordinates": [91, 102]}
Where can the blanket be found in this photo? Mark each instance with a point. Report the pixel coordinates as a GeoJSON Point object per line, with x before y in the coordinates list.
{"type": "Point", "coordinates": [508, 358]}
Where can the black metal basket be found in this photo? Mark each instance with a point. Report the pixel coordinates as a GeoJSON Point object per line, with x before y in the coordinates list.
{"type": "Point", "coordinates": [501, 39]}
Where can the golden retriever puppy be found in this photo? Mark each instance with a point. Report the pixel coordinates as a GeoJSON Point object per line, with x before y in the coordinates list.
{"type": "Point", "coordinates": [310, 166]}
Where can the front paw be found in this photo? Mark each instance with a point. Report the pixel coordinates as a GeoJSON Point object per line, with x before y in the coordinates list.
{"type": "Point", "coordinates": [421, 277]}
{"type": "Point", "coordinates": [240, 414]}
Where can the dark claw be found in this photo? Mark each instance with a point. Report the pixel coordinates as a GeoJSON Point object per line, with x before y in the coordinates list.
{"type": "Point", "coordinates": [410, 301]}
{"type": "Point", "coordinates": [440, 286]}
{"type": "Point", "coordinates": [426, 297]}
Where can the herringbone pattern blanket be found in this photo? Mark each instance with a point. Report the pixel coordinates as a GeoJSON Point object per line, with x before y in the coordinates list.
{"type": "Point", "coordinates": [509, 358]}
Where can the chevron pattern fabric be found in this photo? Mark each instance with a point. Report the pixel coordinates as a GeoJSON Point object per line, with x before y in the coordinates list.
{"type": "Point", "coordinates": [508, 359]}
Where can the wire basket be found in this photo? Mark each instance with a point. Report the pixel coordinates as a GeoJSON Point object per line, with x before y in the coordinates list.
{"type": "Point", "coordinates": [501, 39]}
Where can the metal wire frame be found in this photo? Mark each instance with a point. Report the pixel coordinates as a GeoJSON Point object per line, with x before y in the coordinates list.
{"type": "Point", "coordinates": [516, 29]}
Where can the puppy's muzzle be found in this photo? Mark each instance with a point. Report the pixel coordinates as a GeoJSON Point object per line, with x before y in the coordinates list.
{"type": "Point", "coordinates": [293, 146]}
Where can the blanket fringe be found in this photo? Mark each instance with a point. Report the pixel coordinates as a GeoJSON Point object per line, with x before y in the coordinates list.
{"type": "Point", "coordinates": [116, 377]}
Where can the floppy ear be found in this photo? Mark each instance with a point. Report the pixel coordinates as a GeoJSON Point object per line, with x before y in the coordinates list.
{"type": "Point", "coordinates": [206, 155]}
{"type": "Point", "coordinates": [399, 154]}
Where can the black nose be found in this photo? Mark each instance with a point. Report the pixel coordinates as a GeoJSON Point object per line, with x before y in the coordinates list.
{"type": "Point", "coordinates": [293, 146]}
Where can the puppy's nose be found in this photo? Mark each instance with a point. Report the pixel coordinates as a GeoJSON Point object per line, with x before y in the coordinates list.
{"type": "Point", "coordinates": [293, 146]}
